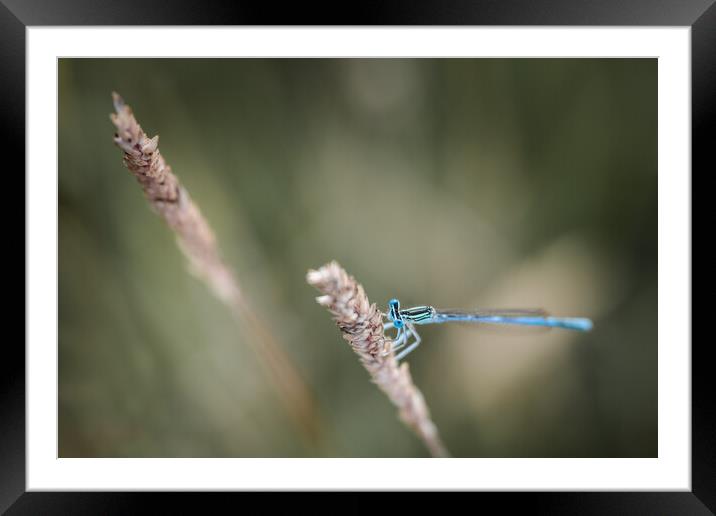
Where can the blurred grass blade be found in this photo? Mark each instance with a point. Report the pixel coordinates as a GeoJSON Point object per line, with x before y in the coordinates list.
{"type": "Point", "coordinates": [195, 238]}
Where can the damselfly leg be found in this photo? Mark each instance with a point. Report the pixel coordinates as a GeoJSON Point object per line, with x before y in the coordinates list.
{"type": "Point", "coordinates": [412, 346]}
{"type": "Point", "coordinates": [405, 336]}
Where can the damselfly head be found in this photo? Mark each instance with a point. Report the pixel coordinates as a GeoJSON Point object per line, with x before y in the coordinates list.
{"type": "Point", "coordinates": [394, 313]}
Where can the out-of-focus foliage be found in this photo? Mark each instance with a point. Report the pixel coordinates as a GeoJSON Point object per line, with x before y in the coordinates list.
{"type": "Point", "coordinates": [458, 183]}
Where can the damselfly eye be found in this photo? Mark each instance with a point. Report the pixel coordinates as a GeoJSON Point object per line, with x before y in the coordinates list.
{"type": "Point", "coordinates": [398, 323]}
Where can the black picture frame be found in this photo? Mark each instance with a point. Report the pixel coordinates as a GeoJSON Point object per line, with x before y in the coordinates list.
{"type": "Point", "coordinates": [16, 15]}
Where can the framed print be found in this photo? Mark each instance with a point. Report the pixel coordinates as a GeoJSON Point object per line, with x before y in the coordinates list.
{"type": "Point", "coordinates": [418, 250]}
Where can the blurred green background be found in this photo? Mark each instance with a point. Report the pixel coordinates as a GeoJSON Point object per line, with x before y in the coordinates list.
{"type": "Point", "coordinates": [493, 183]}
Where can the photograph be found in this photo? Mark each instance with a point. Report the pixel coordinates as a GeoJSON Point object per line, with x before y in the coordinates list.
{"type": "Point", "coordinates": [357, 257]}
